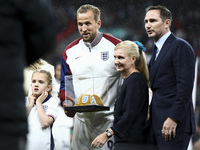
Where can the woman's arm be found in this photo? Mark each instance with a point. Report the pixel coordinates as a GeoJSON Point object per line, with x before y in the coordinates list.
{"type": "Point", "coordinates": [101, 139]}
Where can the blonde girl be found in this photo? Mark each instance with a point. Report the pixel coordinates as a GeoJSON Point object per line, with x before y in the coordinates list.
{"type": "Point", "coordinates": [42, 111]}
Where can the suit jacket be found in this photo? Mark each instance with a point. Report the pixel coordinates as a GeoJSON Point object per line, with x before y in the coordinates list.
{"type": "Point", "coordinates": [172, 77]}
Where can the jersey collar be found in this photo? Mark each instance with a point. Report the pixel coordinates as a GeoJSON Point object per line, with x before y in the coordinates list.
{"type": "Point", "coordinates": [48, 97]}
{"type": "Point", "coordinates": [96, 40]}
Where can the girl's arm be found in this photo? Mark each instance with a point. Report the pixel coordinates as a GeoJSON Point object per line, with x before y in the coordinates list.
{"type": "Point", "coordinates": [31, 100]}
{"type": "Point", "coordinates": [45, 120]}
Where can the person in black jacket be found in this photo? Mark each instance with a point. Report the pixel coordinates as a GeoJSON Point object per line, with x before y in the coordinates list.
{"type": "Point", "coordinates": [131, 106]}
{"type": "Point", "coordinates": [27, 32]}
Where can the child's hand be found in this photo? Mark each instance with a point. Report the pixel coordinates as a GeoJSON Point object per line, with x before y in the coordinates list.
{"type": "Point", "coordinates": [42, 97]}
{"type": "Point", "coordinates": [31, 99]}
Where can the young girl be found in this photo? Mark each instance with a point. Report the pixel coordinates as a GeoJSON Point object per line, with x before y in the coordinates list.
{"type": "Point", "coordinates": [42, 112]}
{"type": "Point", "coordinates": [40, 64]}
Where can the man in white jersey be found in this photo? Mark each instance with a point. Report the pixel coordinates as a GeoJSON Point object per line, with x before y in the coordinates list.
{"type": "Point", "coordinates": [92, 54]}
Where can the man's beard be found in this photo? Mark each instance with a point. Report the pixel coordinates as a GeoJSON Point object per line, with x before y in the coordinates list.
{"type": "Point", "coordinates": [90, 39]}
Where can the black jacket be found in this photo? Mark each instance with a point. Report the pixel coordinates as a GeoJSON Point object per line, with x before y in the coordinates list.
{"type": "Point", "coordinates": [27, 32]}
{"type": "Point", "coordinates": [131, 109]}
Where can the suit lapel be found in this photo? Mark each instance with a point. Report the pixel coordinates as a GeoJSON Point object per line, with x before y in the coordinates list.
{"type": "Point", "coordinates": [164, 50]}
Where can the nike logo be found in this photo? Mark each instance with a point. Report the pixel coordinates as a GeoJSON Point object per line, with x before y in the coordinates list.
{"type": "Point", "coordinates": [77, 57]}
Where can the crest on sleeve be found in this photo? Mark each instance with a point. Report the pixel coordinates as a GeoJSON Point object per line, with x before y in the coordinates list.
{"type": "Point", "coordinates": [45, 107]}
{"type": "Point", "coordinates": [105, 55]}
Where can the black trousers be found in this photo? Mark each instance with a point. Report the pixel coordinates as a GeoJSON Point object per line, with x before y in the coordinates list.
{"type": "Point", "coordinates": [180, 142]}
{"type": "Point", "coordinates": [131, 146]}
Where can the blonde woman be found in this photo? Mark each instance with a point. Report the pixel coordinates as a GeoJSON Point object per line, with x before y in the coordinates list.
{"type": "Point", "coordinates": [131, 106]}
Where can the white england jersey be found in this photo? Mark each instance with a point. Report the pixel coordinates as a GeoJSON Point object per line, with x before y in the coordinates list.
{"type": "Point", "coordinates": [39, 138]}
{"type": "Point", "coordinates": [93, 68]}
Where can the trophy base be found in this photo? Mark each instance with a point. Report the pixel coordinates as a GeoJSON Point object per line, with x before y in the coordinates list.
{"type": "Point", "coordinates": [87, 108]}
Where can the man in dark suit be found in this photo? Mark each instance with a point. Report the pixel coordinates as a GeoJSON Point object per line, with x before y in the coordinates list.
{"type": "Point", "coordinates": [172, 70]}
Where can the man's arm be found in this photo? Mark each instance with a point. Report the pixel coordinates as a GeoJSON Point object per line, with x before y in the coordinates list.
{"type": "Point", "coordinates": [184, 67]}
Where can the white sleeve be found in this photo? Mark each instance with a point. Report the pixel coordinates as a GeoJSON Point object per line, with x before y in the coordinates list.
{"type": "Point", "coordinates": [52, 108]}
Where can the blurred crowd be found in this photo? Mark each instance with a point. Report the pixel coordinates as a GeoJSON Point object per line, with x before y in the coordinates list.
{"type": "Point", "coordinates": [124, 19]}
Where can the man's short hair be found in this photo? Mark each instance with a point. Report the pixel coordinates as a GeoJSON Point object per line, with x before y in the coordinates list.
{"type": "Point", "coordinates": [164, 12]}
{"type": "Point", "coordinates": [87, 7]}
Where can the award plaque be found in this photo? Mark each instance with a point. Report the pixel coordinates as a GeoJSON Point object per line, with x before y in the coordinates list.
{"type": "Point", "coordinates": [85, 93]}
